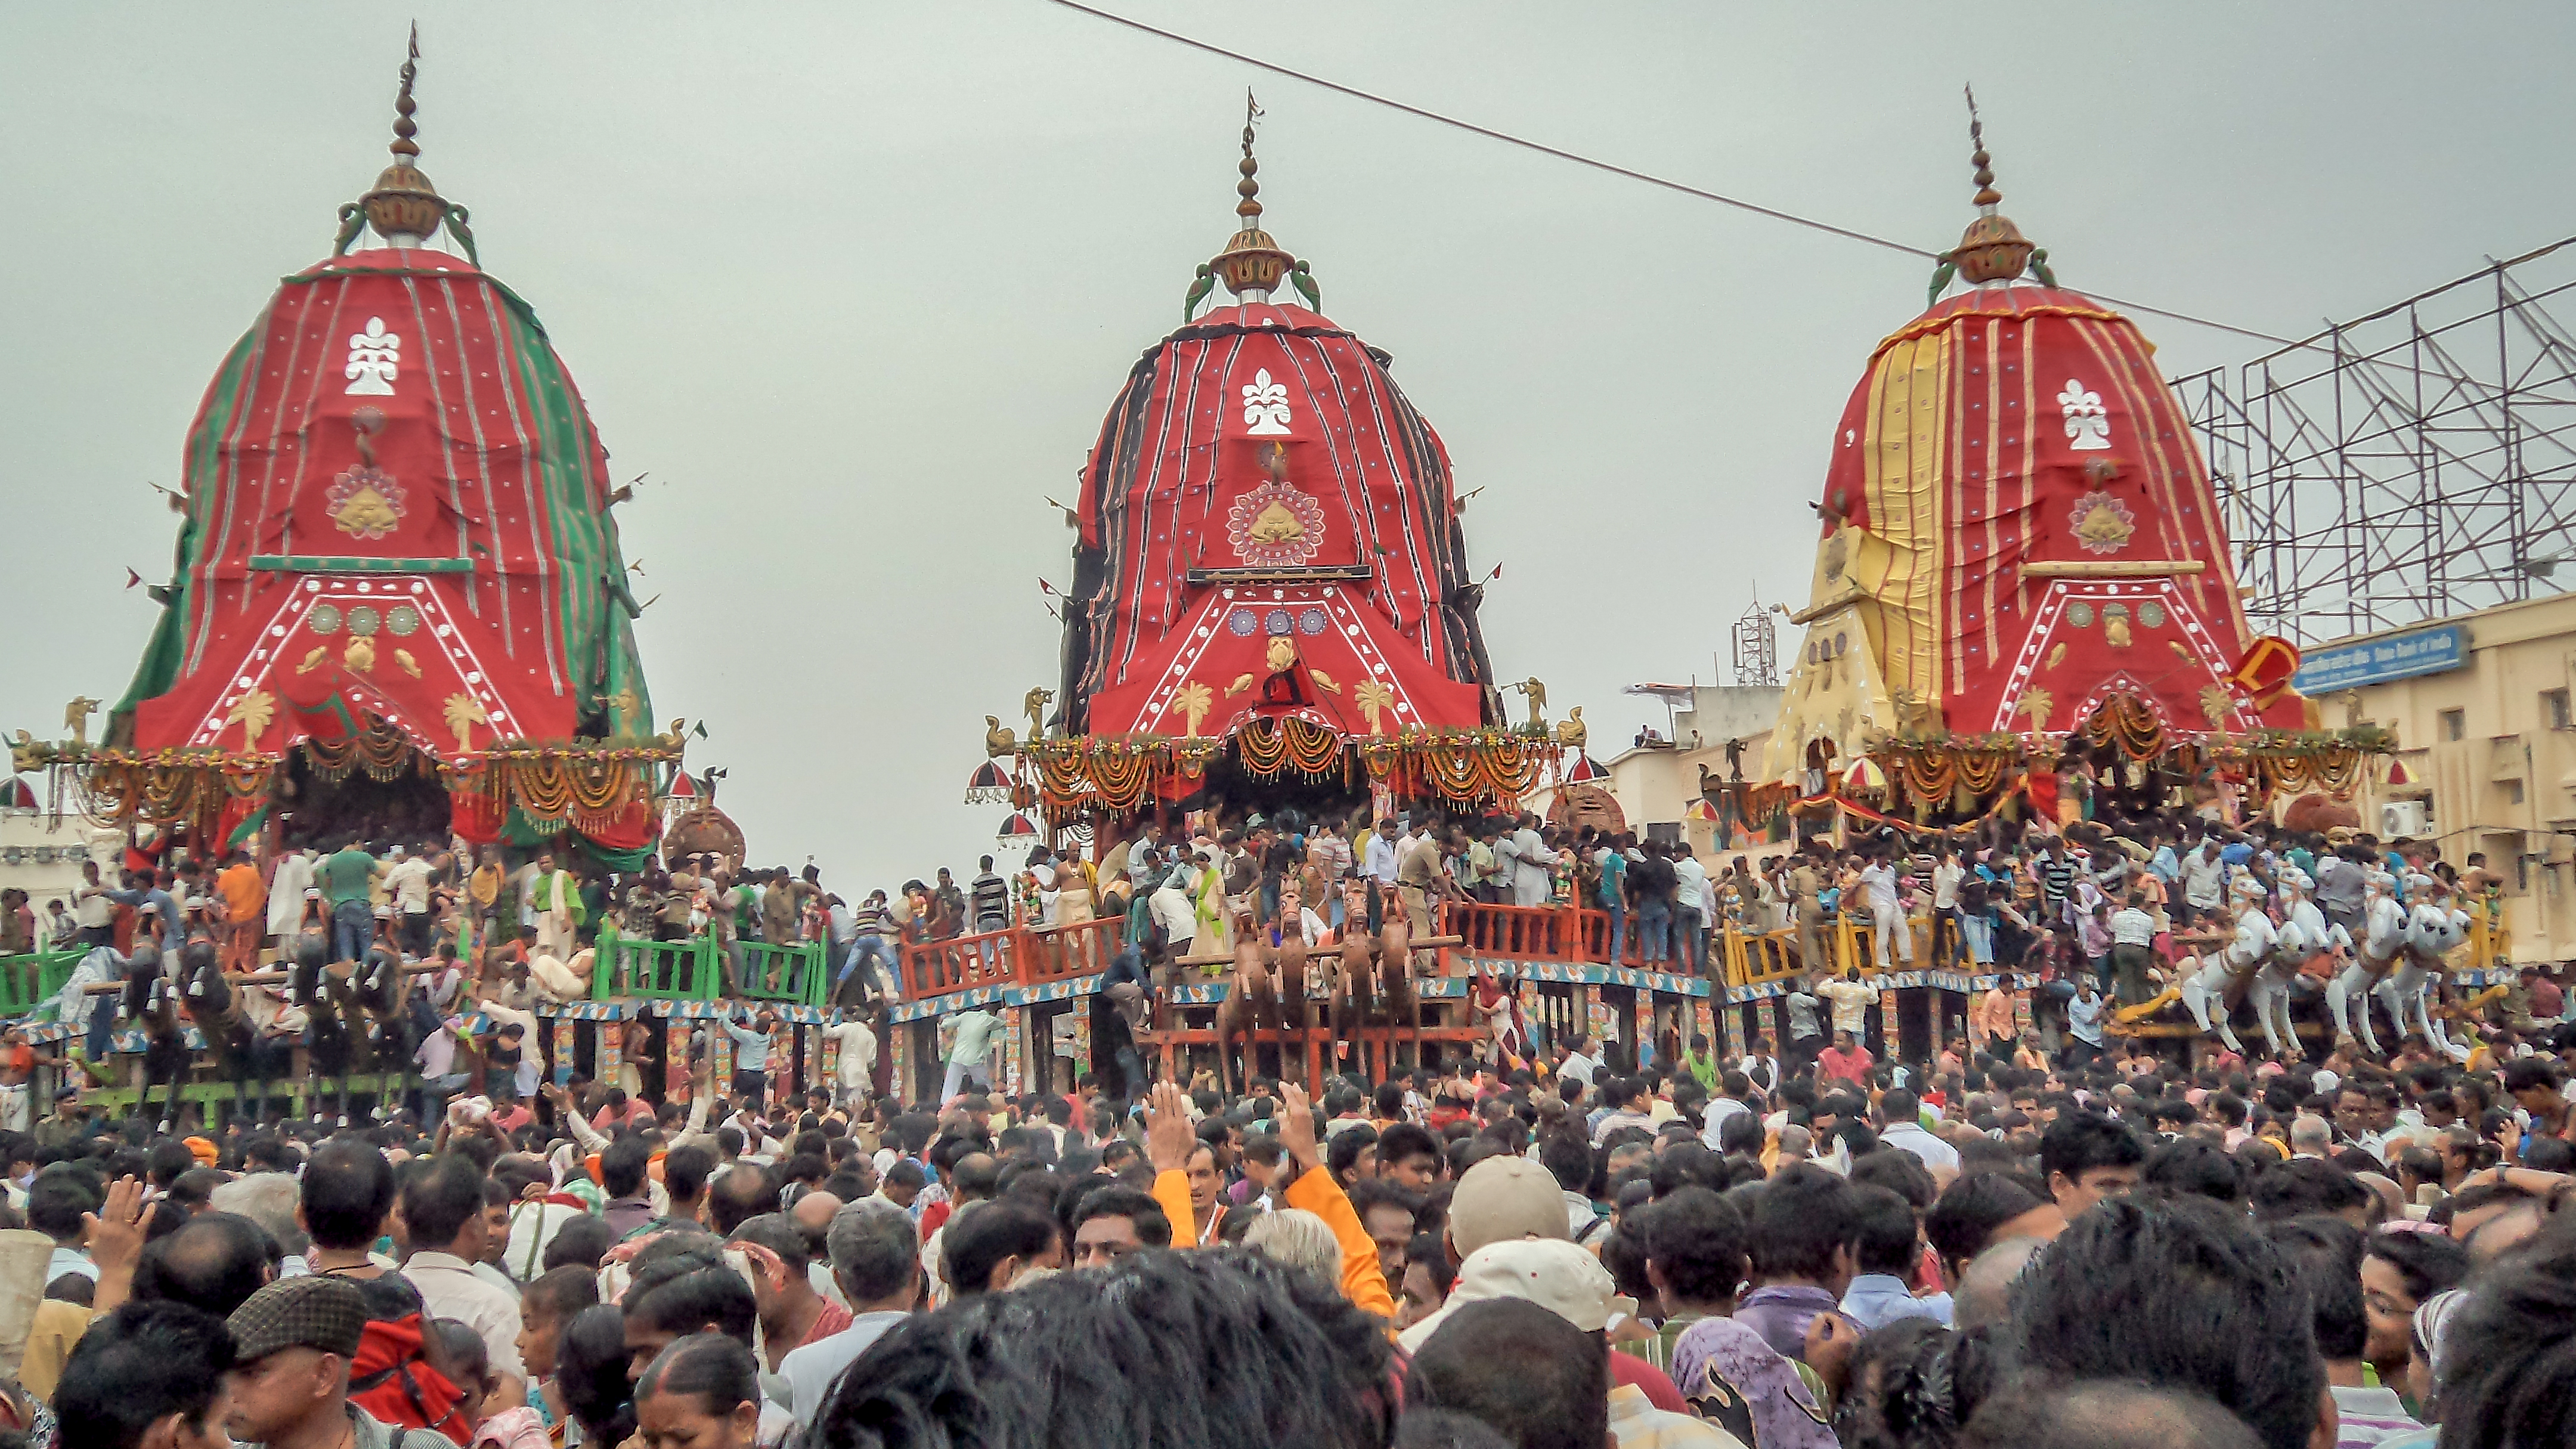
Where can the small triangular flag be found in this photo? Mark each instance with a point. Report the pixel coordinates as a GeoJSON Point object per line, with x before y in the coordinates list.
{"type": "Point", "coordinates": [700, 730]}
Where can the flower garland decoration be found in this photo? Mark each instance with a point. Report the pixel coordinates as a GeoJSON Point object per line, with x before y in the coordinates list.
{"type": "Point", "coordinates": [1120, 774]}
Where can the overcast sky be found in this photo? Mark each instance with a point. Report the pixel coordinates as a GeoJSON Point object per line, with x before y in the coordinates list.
{"type": "Point", "coordinates": [856, 282]}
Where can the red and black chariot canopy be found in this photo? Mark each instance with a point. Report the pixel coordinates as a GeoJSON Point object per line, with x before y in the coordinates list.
{"type": "Point", "coordinates": [1268, 529]}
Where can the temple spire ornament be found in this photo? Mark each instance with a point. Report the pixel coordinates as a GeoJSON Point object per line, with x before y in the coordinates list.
{"type": "Point", "coordinates": [1992, 249]}
{"type": "Point", "coordinates": [1252, 264]}
{"type": "Point", "coordinates": [1249, 188]}
{"type": "Point", "coordinates": [1987, 198]}
{"type": "Point", "coordinates": [404, 207]}
{"type": "Point", "coordinates": [406, 149]}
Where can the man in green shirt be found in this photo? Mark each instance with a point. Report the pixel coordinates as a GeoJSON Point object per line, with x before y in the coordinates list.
{"type": "Point", "coordinates": [348, 879]}
{"type": "Point", "coordinates": [1701, 1063]}
{"type": "Point", "coordinates": [967, 1037]}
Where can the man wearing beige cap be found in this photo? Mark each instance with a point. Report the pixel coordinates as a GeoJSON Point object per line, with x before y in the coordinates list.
{"type": "Point", "coordinates": [1504, 1198]}
{"type": "Point", "coordinates": [1567, 1281]}
{"type": "Point", "coordinates": [1505, 1204]}
{"type": "Point", "coordinates": [289, 1387]}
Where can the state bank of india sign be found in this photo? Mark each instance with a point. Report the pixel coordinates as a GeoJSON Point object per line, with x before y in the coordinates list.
{"type": "Point", "coordinates": [2382, 659]}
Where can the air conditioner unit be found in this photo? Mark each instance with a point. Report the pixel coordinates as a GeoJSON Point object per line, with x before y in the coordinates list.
{"type": "Point", "coordinates": [2401, 817]}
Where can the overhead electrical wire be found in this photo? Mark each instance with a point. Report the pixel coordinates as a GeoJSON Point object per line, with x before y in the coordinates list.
{"type": "Point", "coordinates": [1610, 167]}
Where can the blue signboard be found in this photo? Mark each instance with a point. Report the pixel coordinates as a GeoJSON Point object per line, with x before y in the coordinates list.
{"type": "Point", "coordinates": [2377, 661]}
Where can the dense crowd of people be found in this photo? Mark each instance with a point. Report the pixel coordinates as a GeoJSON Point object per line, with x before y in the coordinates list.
{"type": "Point", "coordinates": [1966, 1251]}
{"type": "Point", "coordinates": [2019, 1237]}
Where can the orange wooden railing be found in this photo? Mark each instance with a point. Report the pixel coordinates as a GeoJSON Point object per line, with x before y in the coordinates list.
{"type": "Point", "coordinates": [1020, 956]}
{"type": "Point", "coordinates": [1551, 933]}
{"type": "Point", "coordinates": [935, 968]}
{"type": "Point", "coordinates": [1543, 932]}
{"type": "Point", "coordinates": [1061, 953]}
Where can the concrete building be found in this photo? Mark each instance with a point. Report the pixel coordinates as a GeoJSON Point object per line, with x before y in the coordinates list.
{"type": "Point", "coordinates": [2486, 749]}
{"type": "Point", "coordinates": [44, 859]}
{"type": "Point", "coordinates": [1655, 779]}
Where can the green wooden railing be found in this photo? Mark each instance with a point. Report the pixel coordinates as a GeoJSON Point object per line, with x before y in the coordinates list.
{"type": "Point", "coordinates": [694, 970]}
{"type": "Point", "coordinates": [657, 970]}
{"type": "Point", "coordinates": [29, 981]}
{"type": "Point", "coordinates": [794, 974]}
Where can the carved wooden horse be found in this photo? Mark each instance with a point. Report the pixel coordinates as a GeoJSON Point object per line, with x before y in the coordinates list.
{"type": "Point", "coordinates": [1252, 997]}
{"type": "Point", "coordinates": [1289, 964]}
{"type": "Point", "coordinates": [2301, 936]}
{"type": "Point", "coordinates": [2223, 976]}
{"type": "Point", "coordinates": [2385, 928]}
{"type": "Point", "coordinates": [154, 1006]}
{"type": "Point", "coordinates": [1376, 969]}
{"type": "Point", "coordinates": [1268, 988]}
{"type": "Point", "coordinates": [1354, 973]}
{"type": "Point", "coordinates": [364, 1003]}
{"type": "Point", "coordinates": [1395, 980]}
{"type": "Point", "coordinates": [2433, 928]}
{"type": "Point", "coordinates": [326, 1034]}
{"type": "Point", "coordinates": [217, 1010]}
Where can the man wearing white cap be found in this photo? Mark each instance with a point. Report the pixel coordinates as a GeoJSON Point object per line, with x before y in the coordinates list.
{"type": "Point", "coordinates": [1512, 1202]}
{"type": "Point", "coordinates": [1570, 1283]}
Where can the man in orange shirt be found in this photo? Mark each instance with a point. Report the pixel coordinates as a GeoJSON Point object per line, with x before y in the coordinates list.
{"type": "Point", "coordinates": [1170, 1144]}
{"type": "Point", "coordinates": [1991, 1021]}
{"type": "Point", "coordinates": [18, 1063]}
{"type": "Point", "coordinates": [245, 911]}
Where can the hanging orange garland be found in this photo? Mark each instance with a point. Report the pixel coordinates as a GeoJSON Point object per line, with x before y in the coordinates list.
{"type": "Point", "coordinates": [1462, 766]}
{"type": "Point", "coordinates": [1122, 780]}
{"type": "Point", "coordinates": [2129, 722]}
{"type": "Point", "coordinates": [1312, 749]}
{"type": "Point", "coordinates": [382, 750]}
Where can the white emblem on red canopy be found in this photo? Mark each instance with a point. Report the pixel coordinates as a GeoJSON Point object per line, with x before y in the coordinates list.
{"type": "Point", "coordinates": [1265, 406]}
{"type": "Point", "coordinates": [375, 355]}
{"type": "Point", "coordinates": [2088, 423]}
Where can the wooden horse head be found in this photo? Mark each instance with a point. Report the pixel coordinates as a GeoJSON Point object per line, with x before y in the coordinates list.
{"type": "Point", "coordinates": [152, 1004]}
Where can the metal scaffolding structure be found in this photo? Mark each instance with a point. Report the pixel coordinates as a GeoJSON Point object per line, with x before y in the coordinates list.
{"type": "Point", "coordinates": [2408, 465]}
{"type": "Point", "coordinates": [1756, 648]}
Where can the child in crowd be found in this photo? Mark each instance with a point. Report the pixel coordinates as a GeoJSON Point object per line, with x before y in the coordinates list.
{"type": "Point", "coordinates": [457, 1351]}
{"type": "Point", "coordinates": [545, 1306]}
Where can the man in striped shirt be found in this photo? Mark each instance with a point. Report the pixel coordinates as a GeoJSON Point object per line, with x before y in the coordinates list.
{"type": "Point", "coordinates": [870, 950]}
{"type": "Point", "coordinates": [2055, 872]}
{"type": "Point", "coordinates": [989, 899]}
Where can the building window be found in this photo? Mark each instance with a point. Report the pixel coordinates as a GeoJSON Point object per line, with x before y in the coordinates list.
{"type": "Point", "coordinates": [2508, 846]}
{"type": "Point", "coordinates": [2513, 792]}
{"type": "Point", "coordinates": [2553, 708]}
{"type": "Point", "coordinates": [2455, 724]}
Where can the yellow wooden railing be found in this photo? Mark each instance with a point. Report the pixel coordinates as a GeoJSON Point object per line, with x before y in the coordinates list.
{"type": "Point", "coordinates": [2490, 939]}
{"type": "Point", "coordinates": [1754, 958]}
